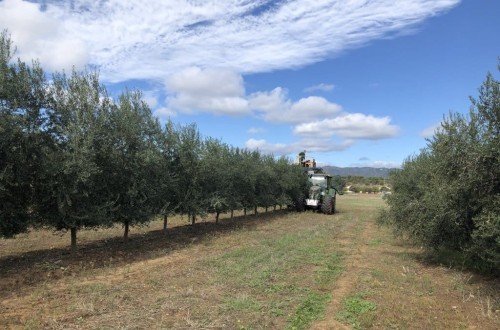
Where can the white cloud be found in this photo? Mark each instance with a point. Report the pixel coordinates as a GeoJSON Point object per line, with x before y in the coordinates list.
{"type": "Point", "coordinates": [352, 126]}
{"type": "Point", "coordinates": [312, 107]}
{"type": "Point", "coordinates": [276, 107]}
{"type": "Point", "coordinates": [322, 135]}
{"type": "Point", "coordinates": [256, 130]}
{"type": "Point", "coordinates": [430, 131]}
{"type": "Point", "coordinates": [265, 147]}
{"type": "Point", "coordinates": [164, 113]}
{"type": "Point", "coordinates": [207, 82]}
{"type": "Point", "coordinates": [216, 91]}
{"type": "Point", "coordinates": [270, 101]}
{"type": "Point", "coordinates": [129, 39]}
{"type": "Point", "coordinates": [311, 145]}
{"type": "Point", "coordinates": [222, 91]}
{"type": "Point", "coordinates": [37, 35]}
{"type": "Point", "coordinates": [319, 87]}
{"type": "Point", "coordinates": [151, 98]}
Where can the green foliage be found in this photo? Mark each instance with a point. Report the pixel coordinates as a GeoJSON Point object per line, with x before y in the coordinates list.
{"type": "Point", "coordinates": [486, 236]}
{"type": "Point", "coordinates": [281, 275]}
{"type": "Point", "coordinates": [134, 161]}
{"type": "Point", "coordinates": [312, 308]}
{"type": "Point", "coordinates": [339, 182]}
{"type": "Point", "coordinates": [24, 140]}
{"type": "Point", "coordinates": [358, 312]}
{"type": "Point", "coordinates": [71, 157]}
{"type": "Point", "coordinates": [190, 185]}
{"type": "Point", "coordinates": [243, 303]}
{"type": "Point", "coordinates": [361, 180]}
{"type": "Point", "coordinates": [448, 195]}
{"type": "Point", "coordinates": [216, 185]}
{"type": "Point", "coordinates": [74, 196]}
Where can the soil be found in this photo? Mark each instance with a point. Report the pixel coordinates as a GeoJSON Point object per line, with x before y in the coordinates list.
{"type": "Point", "coordinates": [158, 280]}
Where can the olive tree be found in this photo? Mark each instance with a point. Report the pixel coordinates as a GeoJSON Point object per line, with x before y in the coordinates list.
{"type": "Point", "coordinates": [24, 140]}
{"type": "Point", "coordinates": [449, 195]}
{"type": "Point", "coordinates": [188, 169]}
{"type": "Point", "coordinates": [75, 193]}
{"type": "Point", "coordinates": [135, 171]}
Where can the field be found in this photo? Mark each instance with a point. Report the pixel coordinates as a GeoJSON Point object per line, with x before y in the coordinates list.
{"type": "Point", "coordinates": [276, 270]}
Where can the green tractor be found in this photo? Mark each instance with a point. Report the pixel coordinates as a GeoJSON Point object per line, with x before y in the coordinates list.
{"type": "Point", "coordinates": [321, 194]}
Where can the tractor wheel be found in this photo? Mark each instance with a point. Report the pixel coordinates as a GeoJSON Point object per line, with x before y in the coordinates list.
{"type": "Point", "coordinates": [334, 199]}
{"type": "Point", "coordinates": [327, 205]}
{"type": "Point", "coordinates": [300, 205]}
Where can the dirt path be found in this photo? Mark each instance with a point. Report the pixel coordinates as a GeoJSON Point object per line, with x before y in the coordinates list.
{"type": "Point", "coordinates": [409, 290]}
{"type": "Point", "coordinates": [352, 240]}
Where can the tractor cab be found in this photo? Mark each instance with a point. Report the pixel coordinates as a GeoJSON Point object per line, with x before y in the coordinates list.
{"type": "Point", "coordinates": [322, 180]}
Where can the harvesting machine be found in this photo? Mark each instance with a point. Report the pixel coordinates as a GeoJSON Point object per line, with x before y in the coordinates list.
{"type": "Point", "coordinates": [321, 194]}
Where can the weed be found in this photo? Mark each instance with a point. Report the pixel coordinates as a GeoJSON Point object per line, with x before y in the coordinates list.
{"type": "Point", "coordinates": [331, 270]}
{"type": "Point", "coordinates": [358, 312]}
{"type": "Point", "coordinates": [271, 274]}
{"type": "Point", "coordinates": [374, 242]}
{"type": "Point", "coordinates": [278, 308]}
{"type": "Point", "coordinates": [245, 327]}
{"type": "Point", "coordinates": [32, 324]}
{"type": "Point", "coordinates": [427, 285]}
{"type": "Point", "coordinates": [153, 280]}
{"type": "Point", "coordinates": [243, 302]}
{"type": "Point", "coordinates": [312, 308]}
{"type": "Point", "coordinates": [281, 288]}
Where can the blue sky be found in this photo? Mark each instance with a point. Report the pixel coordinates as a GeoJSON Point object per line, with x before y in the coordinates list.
{"type": "Point", "coordinates": [354, 83]}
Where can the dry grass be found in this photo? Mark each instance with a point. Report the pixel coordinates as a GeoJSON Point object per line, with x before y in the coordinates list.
{"type": "Point", "coordinates": [410, 292]}
{"type": "Point", "coordinates": [277, 270]}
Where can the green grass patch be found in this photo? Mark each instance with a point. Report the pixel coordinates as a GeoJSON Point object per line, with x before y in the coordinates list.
{"type": "Point", "coordinates": [374, 242]}
{"type": "Point", "coordinates": [330, 270]}
{"type": "Point", "coordinates": [358, 312]}
{"type": "Point", "coordinates": [312, 308]}
{"type": "Point", "coordinates": [286, 274]}
{"type": "Point", "coordinates": [273, 262]}
{"type": "Point", "coordinates": [243, 303]}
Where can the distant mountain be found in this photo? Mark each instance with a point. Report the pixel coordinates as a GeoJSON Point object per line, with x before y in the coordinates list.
{"type": "Point", "coordinates": [359, 171]}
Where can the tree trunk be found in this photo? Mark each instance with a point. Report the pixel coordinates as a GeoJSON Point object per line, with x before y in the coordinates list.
{"type": "Point", "coordinates": [255, 210]}
{"type": "Point", "coordinates": [274, 207]}
{"type": "Point", "coordinates": [125, 234]}
{"type": "Point", "coordinates": [193, 219]}
{"type": "Point", "coordinates": [232, 214]}
{"type": "Point", "coordinates": [73, 241]}
{"type": "Point", "coordinates": [217, 217]}
{"type": "Point", "coordinates": [165, 222]}
{"type": "Point", "coordinates": [266, 209]}
{"type": "Point", "coordinates": [245, 211]}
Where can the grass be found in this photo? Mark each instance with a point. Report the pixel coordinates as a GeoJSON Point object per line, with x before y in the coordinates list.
{"type": "Point", "coordinates": [358, 311]}
{"type": "Point", "coordinates": [312, 308]}
{"type": "Point", "coordinates": [280, 276]}
{"type": "Point", "coordinates": [272, 271]}
{"type": "Point", "coordinates": [243, 303]}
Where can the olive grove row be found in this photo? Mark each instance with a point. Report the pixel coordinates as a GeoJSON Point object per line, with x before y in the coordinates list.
{"type": "Point", "coordinates": [448, 196]}
{"type": "Point", "coordinates": [73, 157]}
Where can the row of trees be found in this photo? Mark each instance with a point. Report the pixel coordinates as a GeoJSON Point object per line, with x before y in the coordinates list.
{"type": "Point", "coordinates": [369, 185]}
{"type": "Point", "coordinates": [368, 189]}
{"type": "Point", "coordinates": [449, 194]}
{"type": "Point", "coordinates": [72, 157]}
{"type": "Point", "coordinates": [365, 181]}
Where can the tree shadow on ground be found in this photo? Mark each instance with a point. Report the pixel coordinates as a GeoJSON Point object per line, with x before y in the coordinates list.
{"type": "Point", "coordinates": [472, 270]}
{"type": "Point", "coordinates": [21, 272]}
